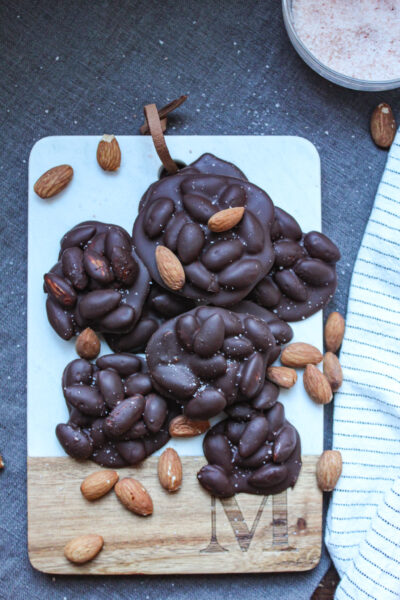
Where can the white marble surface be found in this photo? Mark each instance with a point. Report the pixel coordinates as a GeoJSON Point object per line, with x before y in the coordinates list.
{"type": "Point", "coordinates": [288, 168]}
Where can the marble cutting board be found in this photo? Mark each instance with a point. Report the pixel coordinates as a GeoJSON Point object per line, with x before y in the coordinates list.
{"type": "Point", "coordinates": [246, 534]}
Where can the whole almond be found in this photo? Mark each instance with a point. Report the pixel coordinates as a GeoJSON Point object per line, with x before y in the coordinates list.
{"type": "Point", "coordinates": [334, 332]}
{"type": "Point", "coordinates": [83, 548]}
{"type": "Point", "coordinates": [383, 125]}
{"type": "Point", "coordinates": [300, 354]}
{"type": "Point", "coordinates": [98, 484]}
{"type": "Point", "coordinates": [1, 462]}
{"type": "Point", "coordinates": [53, 181]}
{"type": "Point", "coordinates": [329, 469]}
{"type": "Point", "coordinates": [87, 344]}
{"type": "Point", "coordinates": [170, 470]}
{"type": "Point", "coordinates": [316, 385]}
{"type": "Point", "coordinates": [333, 371]}
{"type": "Point", "coordinates": [170, 268]}
{"type": "Point", "coordinates": [225, 219]}
{"type": "Point", "coordinates": [109, 153]}
{"type": "Point", "coordinates": [181, 426]}
{"type": "Point", "coordinates": [282, 376]}
{"type": "Point", "coordinates": [134, 496]}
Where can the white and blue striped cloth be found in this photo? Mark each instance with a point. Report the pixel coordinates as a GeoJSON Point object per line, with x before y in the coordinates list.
{"type": "Point", "coordinates": [363, 524]}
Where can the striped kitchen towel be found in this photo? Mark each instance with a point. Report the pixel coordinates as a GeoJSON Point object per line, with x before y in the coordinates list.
{"type": "Point", "coordinates": [363, 523]}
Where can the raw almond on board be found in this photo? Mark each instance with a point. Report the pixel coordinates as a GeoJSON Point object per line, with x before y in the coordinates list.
{"type": "Point", "coordinates": [170, 268]}
{"type": "Point", "coordinates": [299, 355]}
{"type": "Point", "coordinates": [1, 462]}
{"type": "Point", "coordinates": [170, 470]}
{"type": "Point", "coordinates": [316, 385]}
{"type": "Point", "coordinates": [83, 548]}
{"type": "Point", "coordinates": [87, 344]}
{"type": "Point", "coordinates": [282, 376]}
{"type": "Point", "coordinates": [109, 153]}
{"type": "Point", "coordinates": [334, 332]}
{"type": "Point", "coordinates": [333, 371]}
{"type": "Point", "coordinates": [53, 181]}
{"type": "Point", "coordinates": [225, 219]}
{"type": "Point", "coordinates": [134, 496]}
{"type": "Point", "coordinates": [98, 484]}
{"type": "Point", "coordinates": [181, 426]}
{"type": "Point", "coordinates": [383, 125]}
{"type": "Point", "coordinates": [329, 468]}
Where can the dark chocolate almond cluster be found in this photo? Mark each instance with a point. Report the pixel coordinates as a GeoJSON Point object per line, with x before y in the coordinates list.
{"type": "Point", "coordinates": [116, 418]}
{"type": "Point", "coordinates": [98, 281]}
{"type": "Point", "coordinates": [303, 278]}
{"type": "Point", "coordinates": [221, 264]}
{"type": "Point", "coordinates": [257, 452]}
{"type": "Point", "coordinates": [209, 358]}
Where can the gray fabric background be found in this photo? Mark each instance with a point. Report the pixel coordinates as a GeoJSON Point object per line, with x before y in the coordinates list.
{"type": "Point", "coordinates": [75, 67]}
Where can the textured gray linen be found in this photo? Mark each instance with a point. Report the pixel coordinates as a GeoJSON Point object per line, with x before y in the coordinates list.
{"type": "Point", "coordinates": [76, 67]}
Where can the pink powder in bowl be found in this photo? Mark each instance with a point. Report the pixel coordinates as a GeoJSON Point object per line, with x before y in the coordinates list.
{"type": "Point", "coordinates": [358, 38]}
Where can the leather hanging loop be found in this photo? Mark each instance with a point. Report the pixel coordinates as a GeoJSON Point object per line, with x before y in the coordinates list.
{"type": "Point", "coordinates": [156, 131]}
{"type": "Point", "coordinates": [163, 112]}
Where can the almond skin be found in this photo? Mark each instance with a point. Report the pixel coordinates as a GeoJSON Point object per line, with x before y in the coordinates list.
{"type": "Point", "coordinates": [334, 332]}
{"type": "Point", "coordinates": [134, 496]}
{"type": "Point", "coordinates": [170, 268]}
{"type": "Point", "coordinates": [299, 355]}
{"type": "Point", "coordinates": [87, 344]}
{"type": "Point", "coordinates": [329, 469]}
{"type": "Point", "coordinates": [181, 426]}
{"type": "Point", "coordinates": [383, 125]}
{"type": "Point", "coordinates": [282, 376]}
{"type": "Point", "coordinates": [316, 385]}
{"type": "Point", "coordinates": [225, 219]}
{"type": "Point", "coordinates": [98, 484]}
{"type": "Point", "coordinates": [109, 153]}
{"type": "Point", "coordinates": [83, 548]}
{"type": "Point", "coordinates": [333, 371]}
{"type": "Point", "coordinates": [53, 181]}
{"type": "Point", "coordinates": [170, 470]}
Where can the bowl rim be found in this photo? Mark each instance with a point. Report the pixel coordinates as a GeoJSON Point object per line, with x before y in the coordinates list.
{"type": "Point", "coordinates": [332, 74]}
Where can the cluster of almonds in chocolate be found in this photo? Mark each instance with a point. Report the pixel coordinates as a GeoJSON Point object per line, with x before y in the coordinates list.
{"type": "Point", "coordinates": [115, 416]}
{"type": "Point", "coordinates": [98, 281]}
{"type": "Point", "coordinates": [222, 261]}
{"type": "Point", "coordinates": [206, 285]}
{"type": "Point", "coordinates": [252, 451]}
{"type": "Point", "coordinates": [303, 278]}
{"type": "Point", "coordinates": [209, 358]}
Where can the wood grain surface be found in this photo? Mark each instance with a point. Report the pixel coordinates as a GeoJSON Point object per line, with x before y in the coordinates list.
{"type": "Point", "coordinates": [189, 531]}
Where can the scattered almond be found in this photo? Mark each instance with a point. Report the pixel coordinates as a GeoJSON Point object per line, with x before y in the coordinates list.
{"type": "Point", "coordinates": [83, 548]}
{"type": "Point", "coordinates": [98, 484]}
{"type": "Point", "coordinates": [383, 125]}
{"type": "Point", "coordinates": [333, 371]}
{"type": "Point", "coordinates": [316, 385]}
{"type": "Point", "coordinates": [87, 344]}
{"type": "Point", "coordinates": [53, 181]}
{"type": "Point", "coordinates": [170, 470]}
{"type": "Point", "coordinates": [334, 331]}
{"type": "Point", "coordinates": [329, 469]}
{"type": "Point", "coordinates": [181, 426]}
{"type": "Point", "coordinates": [1, 462]}
{"type": "Point", "coordinates": [282, 376]}
{"type": "Point", "coordinates": [170, 268]}
{"type": "Point", "coordinates": [134, 496]}
{"type": "Point", "coordinates": [225, 219]}
{"type": "Point", "coordinates": [109, 153]}
{"type": "Point", "coordinates": [300, 354]}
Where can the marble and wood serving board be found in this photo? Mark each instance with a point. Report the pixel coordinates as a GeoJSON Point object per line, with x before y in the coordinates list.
{"type": "Point", "coordinates": [189, 531]}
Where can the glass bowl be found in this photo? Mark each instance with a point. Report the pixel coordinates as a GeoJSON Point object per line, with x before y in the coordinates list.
{"type": "Point", "coordinates": [334, 76]}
